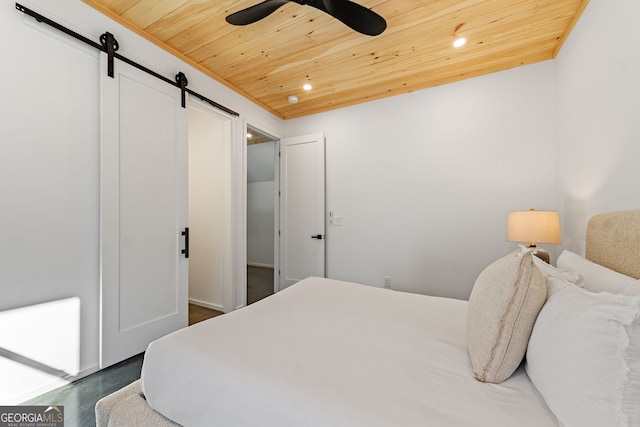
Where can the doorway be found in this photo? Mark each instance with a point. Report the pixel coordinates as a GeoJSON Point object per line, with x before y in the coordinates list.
{"type": "Point", "coordinates": [262, 214]}
{"type": "Point", "coordinates": [209, 217]}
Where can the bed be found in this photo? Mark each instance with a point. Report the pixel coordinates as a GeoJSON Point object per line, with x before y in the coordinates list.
{"type": "Point", "coordinates": [332, 353]}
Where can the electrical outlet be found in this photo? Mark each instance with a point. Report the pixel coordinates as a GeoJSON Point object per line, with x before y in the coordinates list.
{"type": "Point", "coordinates": [387, 282]}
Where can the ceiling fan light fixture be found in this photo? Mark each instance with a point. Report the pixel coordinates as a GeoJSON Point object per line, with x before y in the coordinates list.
{"type": "Point", "coordinates": [293, 99]}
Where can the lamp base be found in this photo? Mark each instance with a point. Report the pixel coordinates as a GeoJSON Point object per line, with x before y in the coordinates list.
{"type": "Point", "coordinates": [541, 253]}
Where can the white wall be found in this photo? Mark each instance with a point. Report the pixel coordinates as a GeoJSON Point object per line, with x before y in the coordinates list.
{"type": "Point", "coordinates": [598, 129]}
{"type": "Point", "coordinates": [207, 158]}
{"type": "Point", "coordinates": [49, 226]}
{"type": "Point", "coordinates": [261, 204]}
{"type": "Point", "coordinates": [49, 189]}
{"type": "Point", "coordinates": [424, 181]}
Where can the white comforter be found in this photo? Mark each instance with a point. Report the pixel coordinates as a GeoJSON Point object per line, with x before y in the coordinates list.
{"type": "Point", "coordinates": [331, 353]}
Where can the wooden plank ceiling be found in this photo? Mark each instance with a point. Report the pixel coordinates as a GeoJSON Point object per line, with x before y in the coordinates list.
{"type": "Point", "coordinates": [271, 59]}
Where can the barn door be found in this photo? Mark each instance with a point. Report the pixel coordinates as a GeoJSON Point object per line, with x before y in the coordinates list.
{"type": "Point", "coordinates": [143, 190]}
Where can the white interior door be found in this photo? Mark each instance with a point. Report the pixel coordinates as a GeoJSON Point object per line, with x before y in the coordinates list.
{"type": "Point", "coordinates": [302, 217]}
{"type": "Point", "coordinates": [143, 185]}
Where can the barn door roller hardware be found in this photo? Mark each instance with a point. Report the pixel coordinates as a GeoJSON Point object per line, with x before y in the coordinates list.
{"type": "Point", "coordinates": [109, 45]}
{"type": "Point", "coordinates": [182, 81]}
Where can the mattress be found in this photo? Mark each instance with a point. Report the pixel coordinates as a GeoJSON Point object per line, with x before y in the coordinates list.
{"type": "Point", "coordinates": [332, 353]}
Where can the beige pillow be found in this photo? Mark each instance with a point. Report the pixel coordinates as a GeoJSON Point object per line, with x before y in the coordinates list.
{"type": "Point", "coordinates": [503, 307]}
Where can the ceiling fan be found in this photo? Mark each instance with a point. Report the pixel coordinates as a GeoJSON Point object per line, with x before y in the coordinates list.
{"type": "Point", "coordinates": [358, 17]}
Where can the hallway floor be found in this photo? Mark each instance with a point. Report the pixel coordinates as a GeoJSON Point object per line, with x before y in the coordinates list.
{"type": "Point", "coordinates": [198, 314]}
{"type": "Point", "coordinates": [259, 283]}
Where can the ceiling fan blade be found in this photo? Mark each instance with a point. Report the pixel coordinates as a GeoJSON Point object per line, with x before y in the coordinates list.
{"type": "Point", "coordinates": [356, 16]}
{"type": "Point", "coordinates": [255, 12]}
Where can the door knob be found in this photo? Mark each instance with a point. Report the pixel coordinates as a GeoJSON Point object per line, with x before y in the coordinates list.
{"type": "Point", "coordinates": [318, 236]}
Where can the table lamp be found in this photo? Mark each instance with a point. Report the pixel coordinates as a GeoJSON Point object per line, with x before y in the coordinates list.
{"type": "Point", "coordinates": [533, 227]}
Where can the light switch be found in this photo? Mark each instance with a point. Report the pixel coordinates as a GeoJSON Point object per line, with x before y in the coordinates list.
{"type": "Point", "coordinates": [337, 220]}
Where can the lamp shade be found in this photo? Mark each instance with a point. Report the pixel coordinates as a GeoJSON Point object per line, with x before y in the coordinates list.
{"type": "Point", "coordinates": [534, 227]}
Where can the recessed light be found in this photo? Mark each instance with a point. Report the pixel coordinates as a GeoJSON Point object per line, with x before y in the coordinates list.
{"type": "Point", "coordinates": [307, 86]}
{"type": "Point", "coordinates": [460, 42]}
{"type": "Point", "coordinates": [293, 99]}
{"type": "Point", "coordinates": [249, 135]}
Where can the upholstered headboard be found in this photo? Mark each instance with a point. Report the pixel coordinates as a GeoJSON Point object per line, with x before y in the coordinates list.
{"type": "Point", "coordinates": [613, 241]}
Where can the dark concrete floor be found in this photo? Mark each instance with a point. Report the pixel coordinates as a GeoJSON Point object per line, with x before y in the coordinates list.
{"type": "Point", "coordinates": [79, 397]}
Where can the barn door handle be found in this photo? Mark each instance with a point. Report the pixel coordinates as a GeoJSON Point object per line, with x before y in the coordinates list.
{"type": "Point", "coordinates": [185, 251]}
{"type": "Point", "coordinates": [317, 236]}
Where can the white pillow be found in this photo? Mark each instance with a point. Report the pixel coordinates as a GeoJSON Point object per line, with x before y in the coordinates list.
{"type": "Point", "coordinates": [597, 278]}
{"type": "Point", "coordinates": [584, 356]}
{"type": "Point", "coordinates": [549, 270]}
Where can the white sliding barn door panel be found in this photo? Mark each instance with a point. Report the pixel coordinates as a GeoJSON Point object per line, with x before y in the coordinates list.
{"type": "Point", "coordinates": [143, 185]}
{"type": "Point", "coordinates": [302, 217]}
